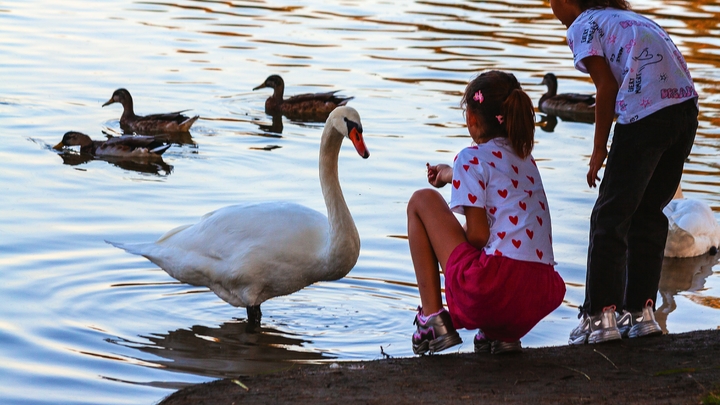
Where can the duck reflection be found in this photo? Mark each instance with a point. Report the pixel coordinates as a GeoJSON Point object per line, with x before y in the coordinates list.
{"type": "Point", "coordinates": [684, 275]}
{"type": "Point", "coordinates": [141, 154]}
{"type": "Point", "coordinates": [547, 123]}
{"type": "Point", "coordinates": [156, 166]}
{"type": "Point", "coordinates": [225, 351]}
{"type": "Point", "coordinates": [275, 128]}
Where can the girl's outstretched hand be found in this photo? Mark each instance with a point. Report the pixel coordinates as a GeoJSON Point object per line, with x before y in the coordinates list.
{"type": "Point", "coordinates": [439, 175]}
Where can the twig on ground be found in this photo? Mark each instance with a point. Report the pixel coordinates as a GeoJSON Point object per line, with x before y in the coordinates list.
{"type": "Point", "coordinates": [577, 371]}
{"type": "Point", "coordinates": [606, 358]}
{"type": "Point", "coordinates": [241, 384]}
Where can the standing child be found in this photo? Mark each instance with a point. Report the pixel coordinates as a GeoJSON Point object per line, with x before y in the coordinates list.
{"type": "Point", "coordinates": [642, 78]}
{"type": "Point", "coordinates": [499, 273]}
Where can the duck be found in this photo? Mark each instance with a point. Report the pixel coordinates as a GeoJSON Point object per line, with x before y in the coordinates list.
{"type": "Point", "coordinates": [135, 146]}
{"type": "Point", "coordinates": [249, 253]}
{"type": "Point", "coordinates": [692, 227]}
{"type": "Point", "coordinates": [568, 106]}
{"type": "Point", "coordinates": [149, 124]}
{"type": "Point", "coordinates": [308, 106]}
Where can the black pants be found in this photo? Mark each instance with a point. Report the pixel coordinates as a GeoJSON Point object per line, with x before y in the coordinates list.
{"type": "Point", "coordinates": [628, 228]}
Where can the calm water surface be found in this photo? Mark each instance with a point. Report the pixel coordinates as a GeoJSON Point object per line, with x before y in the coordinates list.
{"type": "Point", "coordinates": [84, 323]}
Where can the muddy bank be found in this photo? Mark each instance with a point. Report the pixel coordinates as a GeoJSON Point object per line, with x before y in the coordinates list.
{"type": "Point", "coordinates": [670, 369]}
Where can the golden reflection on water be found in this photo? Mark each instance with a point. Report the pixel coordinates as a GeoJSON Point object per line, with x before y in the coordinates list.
{"type": "Point", "coordinates": [406, 63]}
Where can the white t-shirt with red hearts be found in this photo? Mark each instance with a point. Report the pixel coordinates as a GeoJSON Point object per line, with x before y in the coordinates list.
{"type": "Point", "coordinates": [493, 177]}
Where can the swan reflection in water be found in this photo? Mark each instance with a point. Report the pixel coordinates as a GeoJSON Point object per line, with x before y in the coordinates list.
{"type": "Point", "coordinates": [686, 277]}
{"type": "Point", "coordinates": [225, 351]}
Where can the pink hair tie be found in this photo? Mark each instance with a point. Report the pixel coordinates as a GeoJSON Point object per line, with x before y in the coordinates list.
{"type": "Point", "coordinates": [499, 118]}
{"type": "Point", "coordinates": [479, 97]}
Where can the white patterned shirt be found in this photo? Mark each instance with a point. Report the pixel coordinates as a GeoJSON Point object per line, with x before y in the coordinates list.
{"type": "Point", "coordinates": [650, 71]}
{"type": "Point", "coordinates": [493, 177]}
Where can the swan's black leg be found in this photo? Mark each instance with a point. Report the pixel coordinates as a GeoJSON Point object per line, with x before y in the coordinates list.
{"type": "Point", "coordinates": [254, 316]}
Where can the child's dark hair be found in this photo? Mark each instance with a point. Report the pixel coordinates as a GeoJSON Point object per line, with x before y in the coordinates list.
{"type": "Point", "coordinates": [504, 108]}
{"type": "Point", "coordinates": [588, 4]}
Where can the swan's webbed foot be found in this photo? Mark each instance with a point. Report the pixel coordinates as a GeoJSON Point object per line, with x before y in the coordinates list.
{"type": "Point", "coordinates": [254, 316]}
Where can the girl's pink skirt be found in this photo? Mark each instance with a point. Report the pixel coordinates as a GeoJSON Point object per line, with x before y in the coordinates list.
{"type": "Point", "coordinates": [504, 297]}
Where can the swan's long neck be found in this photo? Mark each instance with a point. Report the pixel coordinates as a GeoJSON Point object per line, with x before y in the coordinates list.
{"type": "Point", "coordinates": [344, 241]}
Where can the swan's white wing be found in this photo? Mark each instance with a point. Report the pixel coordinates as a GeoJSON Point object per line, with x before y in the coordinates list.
{"type": "Point", "coordinates": [692, 228]}
{"type": "Point", "coordinates": [244, 253]}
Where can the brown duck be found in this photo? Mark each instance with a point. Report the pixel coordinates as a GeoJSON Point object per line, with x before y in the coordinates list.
{"type": "Point", "coordinates": [568, 106]}
{"type": "Point", "coordinates": [150, 124]}
{"type": "Point", "coordinates": [309, 106]}
{"type": "Point", "coordinates": [141, 146]}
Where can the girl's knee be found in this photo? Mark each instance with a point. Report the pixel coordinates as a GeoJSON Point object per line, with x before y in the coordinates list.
{"type": "Point", "coordinates": [421, 199]}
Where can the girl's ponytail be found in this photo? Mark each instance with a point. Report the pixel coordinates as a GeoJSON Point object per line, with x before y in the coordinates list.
{"type": "Point", "coordinates": [519, 115]}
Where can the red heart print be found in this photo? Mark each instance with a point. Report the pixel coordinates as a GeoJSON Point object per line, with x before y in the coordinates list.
{"type": "Point", "coordinates": [501, 235]}
{"type": "Point", "coordinates": [492, 164]}
{"type": "Point", "coordinates": [539, 220]}
{"type": "Point", "coordinates": [516, 243]}
{"type": "Point", "coordinates": [474, 160]}
{"type": "Point", "coordinates": [522, 205]}
{"type": "Point", "coordinates": [482, 184]}
{"type": "Point", "coordinates": [492, 210]}
{"type": "Point", "coordinates": [456, 184]}
{"type": "Point", "coordinates": [529, 192]}
{"type": "Point", "coordinates": [497, 253]}
{"type": "Point", "coordinates": [498, 154]}
{"type": "Point", "coordinates": [513, 219]}
{"type": "Point", "coordinates": [472, 198]}
{"type": "Point", "coordinates": [539, 253]}
{"type": "Point", "coordinates": [455, 158]}
{"type": "Point", "coordinates": [542, 205]}
{"type": "Point", "coordinates": [529, 233]}
{"type": "Point", "coordinates": [466, 167]}
{"type": "Point", "coordinates": [515, 168]}
{"type": "Point", "coordinates": [533, 162]}
{"type": "Point", "coordinates": [515, 183]}
{"type": "Point", "coordinates": [474, 147]}
{"type": "Point", "coordinates": [531, 178]}
{"type": "Point", "coordinates": [503, 193]}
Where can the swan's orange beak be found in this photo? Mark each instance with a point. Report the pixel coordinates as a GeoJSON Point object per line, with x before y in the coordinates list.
{"type": "Point", "coordinates": [357, 140]}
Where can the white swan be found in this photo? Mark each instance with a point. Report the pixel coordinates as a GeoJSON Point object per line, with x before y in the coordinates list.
{"type": "Point", "coordinates": [247, 254]}
{"type": "Point", "coordinates": [692, 227]}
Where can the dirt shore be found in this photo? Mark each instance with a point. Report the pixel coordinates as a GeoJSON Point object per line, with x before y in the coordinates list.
{"type": "Point", "coordinates": [670, 369]}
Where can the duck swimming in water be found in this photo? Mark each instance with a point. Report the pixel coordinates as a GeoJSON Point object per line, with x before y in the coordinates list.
{"type": "Point", "coordinates": [149, 124]}
{"type": "Point", "coordinates": [249, 253]}
{"type": "Point", "coordinates": [568, 106]}
{"type": "Point", "coordinates": [309, 106]}
{"type": "Point", "coordinates": [120, 146]}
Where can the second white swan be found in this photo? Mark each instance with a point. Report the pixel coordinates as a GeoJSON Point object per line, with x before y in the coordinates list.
{"type": "Point", "coordinates": [692, 227]}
